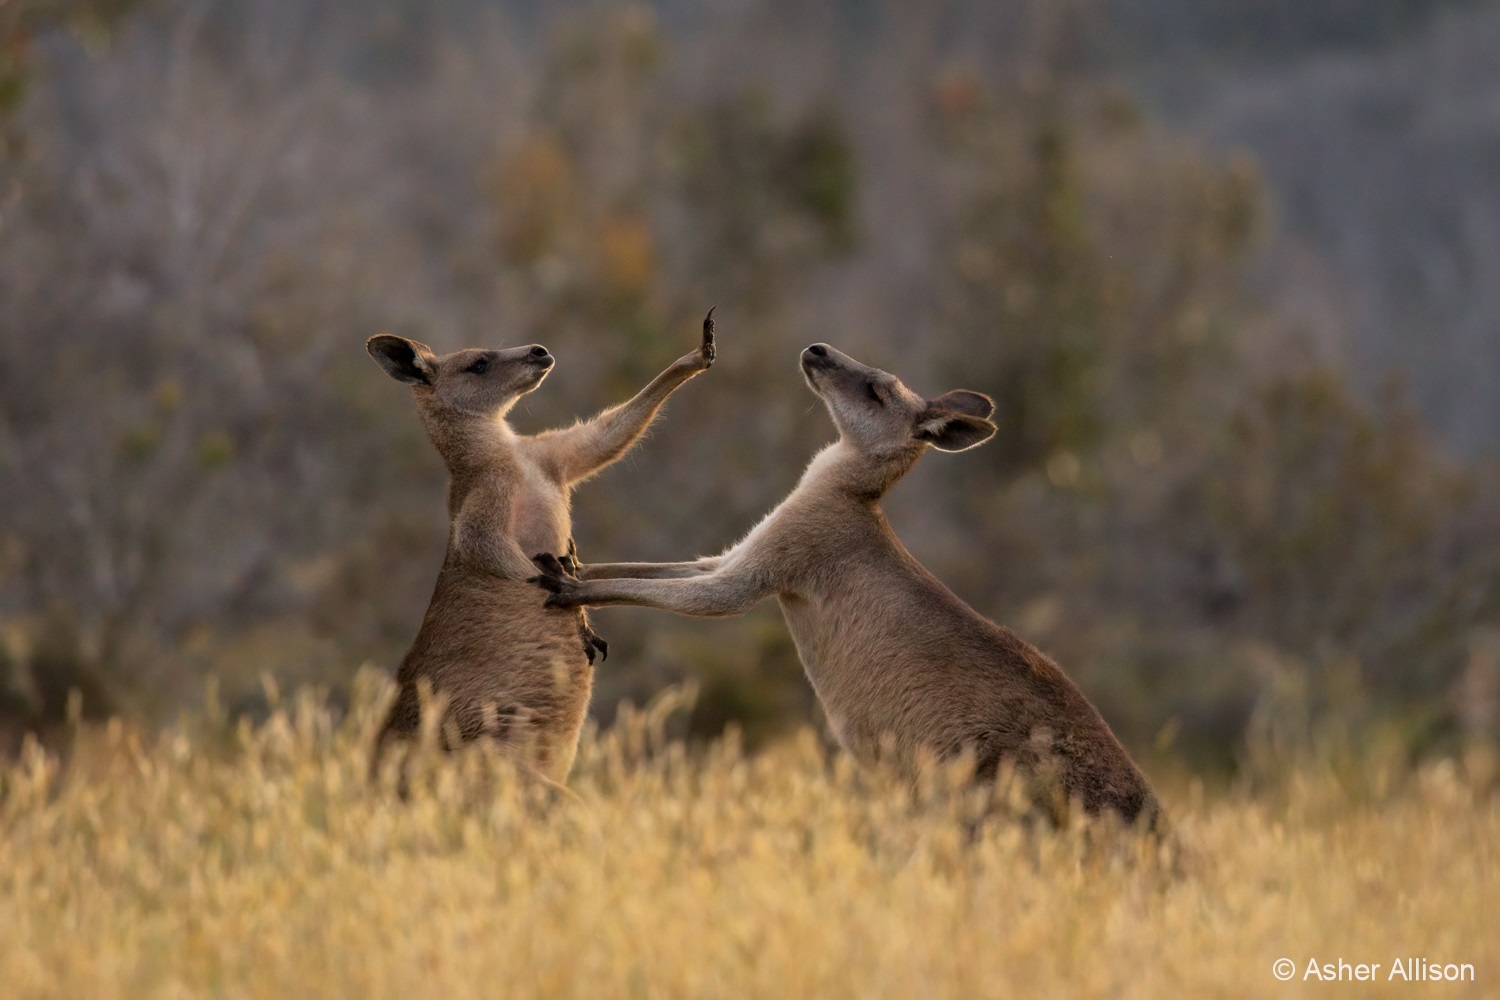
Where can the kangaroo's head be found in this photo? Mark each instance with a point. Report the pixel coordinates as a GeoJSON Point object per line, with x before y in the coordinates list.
{"type": "Point", "coordinates": [882, 418]}
{"type": "Point", "coordinates": [472, 381]}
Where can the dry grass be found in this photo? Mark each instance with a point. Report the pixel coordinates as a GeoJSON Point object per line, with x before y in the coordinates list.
{"type": "Point", "coordinates": [257, 862]}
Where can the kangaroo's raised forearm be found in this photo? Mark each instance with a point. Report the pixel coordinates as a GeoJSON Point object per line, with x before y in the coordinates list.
{"type": "Point", "coordinates": [647, 571]}
{"type": "Point", "coordinates": [582, 450]}
{"type": "Point", "coordinates": [589, 447]}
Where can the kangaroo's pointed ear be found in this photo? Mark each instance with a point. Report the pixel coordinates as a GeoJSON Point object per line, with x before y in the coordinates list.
{"type": "Point", "coordinates": [404, 360]}
{"type": "Point", "coordinates": [946, 430]}
{"type": "Point", "coordinates": [975, 404]}
{"type": "Point", "coordinates": [957, 420]}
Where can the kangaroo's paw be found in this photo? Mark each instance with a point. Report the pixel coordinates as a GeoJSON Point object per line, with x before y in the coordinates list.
{"type": "Point", "coordinates": [557, 581]}
{"type": "Point", "coordinates": [570, 563]}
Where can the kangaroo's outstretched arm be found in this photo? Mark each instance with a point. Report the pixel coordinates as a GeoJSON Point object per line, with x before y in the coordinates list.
{"type": "Point", "coordinates": [579, 451]}
{"type": "Point", "coordinates": [648, 571]}
{"type": "Point", "coordinates": [729, 590]}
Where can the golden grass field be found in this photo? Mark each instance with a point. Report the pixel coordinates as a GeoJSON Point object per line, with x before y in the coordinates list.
{"type": "Point", "coordinates": [238, 861]}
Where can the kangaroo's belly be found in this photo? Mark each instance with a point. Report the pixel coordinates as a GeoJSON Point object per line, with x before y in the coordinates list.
{"type": "Point", "coordinates": [502, 666]}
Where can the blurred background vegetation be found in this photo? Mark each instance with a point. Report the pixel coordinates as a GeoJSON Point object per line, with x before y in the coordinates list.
{"type": "Point", "coordinates": [1229, 270]}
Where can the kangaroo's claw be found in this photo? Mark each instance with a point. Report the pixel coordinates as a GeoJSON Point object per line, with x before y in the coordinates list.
{"type": "Point", "coordinates": [592, 642]}
{"type": "Point", "coordinates": [708, 350]}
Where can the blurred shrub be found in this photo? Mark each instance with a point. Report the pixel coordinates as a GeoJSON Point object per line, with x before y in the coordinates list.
{"type": "Point", "coordinates": [51, 681]}
{"type": "Point", "coordinates": [1093, 272]}
{"type": "Point", "coordinates": [535, 196]}
{"type": "Point", "coordinates": [20, 22]}
{"type": "Point", "coordinates": [1340, 531]}
{"type": "Point", "coordinates": [771, 196]}
{"type": "Point", "coordinates": [1185, 516]}
{"type": "Point", "coordinates": [1332, 507]}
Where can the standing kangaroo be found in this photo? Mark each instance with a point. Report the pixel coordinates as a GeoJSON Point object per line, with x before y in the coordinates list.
{"type": "Point", "coordinates": [506, 667]}
{"type": "Point", "coordinates": [899, 662]}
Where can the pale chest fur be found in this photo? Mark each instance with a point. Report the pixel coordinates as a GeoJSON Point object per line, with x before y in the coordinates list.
{"type": "Point", "coordinates": [507, 503]}
{"type": "Point", "coordinates": [540, 519]}
{"type": "Point", "coordinates": [852, 612]}
{"type": "Point", "coordinates": [861, 707]}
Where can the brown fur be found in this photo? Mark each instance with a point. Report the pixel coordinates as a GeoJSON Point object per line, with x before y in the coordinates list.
{"type": "Point", "coordinates": [903, 667]}
{"type": "Point", "coordinates": [505, 666]}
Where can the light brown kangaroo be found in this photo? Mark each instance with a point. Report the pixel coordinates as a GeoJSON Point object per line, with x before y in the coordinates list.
{"type": "Point", "coordinates": [899, 662]}
{"type": "Point", "coordinates": [507, 667]}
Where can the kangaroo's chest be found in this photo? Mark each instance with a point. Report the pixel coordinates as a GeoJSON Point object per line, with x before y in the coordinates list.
{"type": "Point", "coordinates": [540, 520]}
{"type": "Point", "coordinates": [877, 658]}
{"type": "Point", "coordinates": [836, 655]}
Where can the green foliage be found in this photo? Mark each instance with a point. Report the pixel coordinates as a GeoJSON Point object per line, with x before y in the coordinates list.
{"type": "Point", "coordinates": [773, 196]}
{"type": "Point", "coordinates": [1338, 521]}
{"type": "Point", "coordinates": [1046, 323]}
{"type": "Point", "coordinates": [215, 449]}
{"type": "Point", "coordinates": [137, 444]}
{"type": "Point", "coordinates": [55, 681]}
{"type": "Point", "coordinates": [1094, 309]}
{"type": "Point", "coordinates": [756, 685]}
{"type": "Point", "coordinates": [819, 177]}
{"type": "Point", "coordinates": [16, 700]}
{"type": "Point", "coordinates": [1184, 518]}
{"type": "Point", "coordinates": [1317, 497]}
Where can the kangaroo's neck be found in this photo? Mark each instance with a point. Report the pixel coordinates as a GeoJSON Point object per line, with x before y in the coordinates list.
{"type": "Point", "coordinates": [840, 474]}
{"type": "Point", "coordinates": [473, 446]}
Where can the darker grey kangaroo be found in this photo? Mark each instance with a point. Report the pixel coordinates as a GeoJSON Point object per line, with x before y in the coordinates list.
{"type": "Point", "coordinates": [507, 667]}
{"type": "Point", "coordinates": [903, 667]}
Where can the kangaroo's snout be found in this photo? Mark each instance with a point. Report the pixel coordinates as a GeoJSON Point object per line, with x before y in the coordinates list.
{"type": "Point", "coordinates": [538, 355]}
{"type": "Point", "coordinates": [818, 357]}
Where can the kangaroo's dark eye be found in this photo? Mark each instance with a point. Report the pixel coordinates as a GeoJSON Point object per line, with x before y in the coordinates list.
{"type": "Point", "coordinates": [870, 390]}
{"type": "Point", "coordinates": [479, 366]}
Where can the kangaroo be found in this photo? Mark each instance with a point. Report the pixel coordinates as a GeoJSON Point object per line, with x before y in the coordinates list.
{"type": "Point", "coordinates": [506, 667]}
{"type": "Point", "coordinates": [903, 667]}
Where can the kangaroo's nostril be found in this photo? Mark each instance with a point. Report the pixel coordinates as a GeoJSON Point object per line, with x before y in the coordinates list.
{"type": "Point", "coordinates": [818, 351]}
{"type": "Point", "coordinates": [538, 351]}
